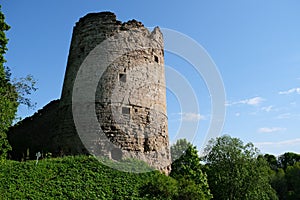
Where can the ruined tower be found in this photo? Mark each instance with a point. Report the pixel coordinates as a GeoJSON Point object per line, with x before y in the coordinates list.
{"type": "Point", "coordinates": [123, 89]}
{"type": "Point", "coordinates": [130, 98]}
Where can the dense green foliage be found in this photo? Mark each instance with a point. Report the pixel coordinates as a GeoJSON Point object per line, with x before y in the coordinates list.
{"type": "Point", "coordinates": [8, 94]}
{"type": "Point", "coordinates": [84, 177]}
{"type": "Point", "coordinates": [288, 159]}
{"type": "Point", "coordinates": [186, 180]}
{"type": "Point", "coordinates": [186, 168]}
{"type": "Point", "coordinates": [160, 187]}
{"type": "Point", "coordinates": [234, 172]}
{"type": "Point", "coordinates": [278, 182]}
{"type": "Point", "coordinates": [80, 177]}
{"type": "Point", "coordinates": [285, 178]}
{"type": "Point", "coordinates": [293, 181]}
{"type": "Point", "coordinates": [271, 159]}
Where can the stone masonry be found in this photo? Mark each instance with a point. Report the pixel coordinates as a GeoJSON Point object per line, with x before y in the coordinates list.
{"type": "Point", "coordinates": [129, 99]}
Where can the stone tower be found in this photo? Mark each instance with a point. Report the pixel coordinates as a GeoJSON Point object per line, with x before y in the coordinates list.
{"type": "Point", "coordinates": [130, 97]}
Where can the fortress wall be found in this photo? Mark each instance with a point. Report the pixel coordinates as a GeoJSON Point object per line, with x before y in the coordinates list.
{"type": "Point", "coordinates": [34, 134]}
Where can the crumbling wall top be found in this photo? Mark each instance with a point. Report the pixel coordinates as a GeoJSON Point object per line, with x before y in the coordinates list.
{"type": "Point", "coordinates": [104, 17]}
{"type": "Point", "coordinates": [108, 18]}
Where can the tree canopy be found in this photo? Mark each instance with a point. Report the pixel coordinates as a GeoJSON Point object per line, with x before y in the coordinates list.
{"type": "Point", "coordinates": [186, 169]}
{"type": "Point", "coordinates": [234, 172]}
{"type": "Point", "coordinates": [288, 159]}
{"type": "Point", "coordinates": [293, 181]}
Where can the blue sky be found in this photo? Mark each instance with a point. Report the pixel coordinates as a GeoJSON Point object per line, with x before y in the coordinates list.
{"type": "Point", "coordinates": [255, 45]}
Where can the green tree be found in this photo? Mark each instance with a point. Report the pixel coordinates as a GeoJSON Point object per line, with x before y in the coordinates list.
{"type": "Point", "coordinates": [186, 169]}
{"type": "Point", "coordinates": [12, 92]}
{"type": "Point", "coordinates": [288, 159]}
{"type": "Point", "coordinates": [8, 94]}
{"type": "Point", "coordinates": [279, 183]}
{"type": "Point", "coordinates": [234, 172]}
{"type": "Point", "coordinates": [24, 87]}
{"type": "Point", "coordinates": [271, 159]}
{"type": "Point", "coordinates": [293, 181]}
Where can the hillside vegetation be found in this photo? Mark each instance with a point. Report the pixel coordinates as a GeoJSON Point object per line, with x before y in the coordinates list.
{"type": "Point", "coordinates": [80, 177]}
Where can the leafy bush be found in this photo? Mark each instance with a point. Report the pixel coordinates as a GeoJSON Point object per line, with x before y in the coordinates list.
{"type": "Point", "coordinates": [160, 187]}
{"type": "Point", "coordinates": [80, 177]}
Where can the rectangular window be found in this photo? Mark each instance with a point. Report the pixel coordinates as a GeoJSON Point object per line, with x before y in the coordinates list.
{"type": "Point", "coordinates": [125, 111]}
{"type": "Point", "coordinates": [122, 77]}
{"type": "Point", "coordinates": [156, 59]}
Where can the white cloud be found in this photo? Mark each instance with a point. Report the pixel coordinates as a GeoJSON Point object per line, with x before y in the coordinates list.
{"type": "Point", "coordinates": [267, 109]}
{"type": "Point", "coordinates": [280, 143]}
{"type": "Point", "coordinates": [192, 116]}
{"type": "Point", "coordinates": [288, 116]}
{"type": "Point", "coordinates": [290, 91]}
{"type": "Point", "coordinates": [252, 101]}
{"type": "Point", "coordinates": [284, 116]}
{"type": "Point", "coordinates": [237, 114]}
{"type": "Point", "coordinates": [270, 130]}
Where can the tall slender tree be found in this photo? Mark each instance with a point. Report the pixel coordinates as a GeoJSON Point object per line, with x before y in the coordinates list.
{"type": "Point", "coordinates": [8, 93]}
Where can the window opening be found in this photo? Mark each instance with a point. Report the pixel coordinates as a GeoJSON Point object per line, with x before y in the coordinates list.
{"type": "Point", "coordinates": [122, 77]}
{"type": "Point", "coordinates": [156, 59]}
{"type": "Point", "coordinates": [125, 110]}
